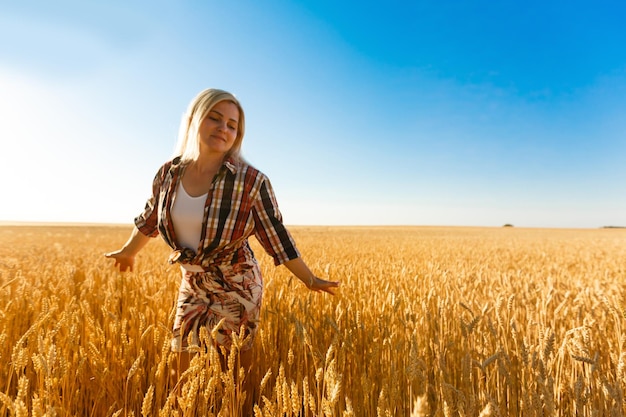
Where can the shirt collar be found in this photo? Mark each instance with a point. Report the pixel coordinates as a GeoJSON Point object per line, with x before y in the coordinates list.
{"type": "Point", "coordinates": [231, 164]}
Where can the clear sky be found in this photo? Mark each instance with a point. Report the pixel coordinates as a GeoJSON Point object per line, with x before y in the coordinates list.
{"type": "Point", "coordinates": [371, 113]}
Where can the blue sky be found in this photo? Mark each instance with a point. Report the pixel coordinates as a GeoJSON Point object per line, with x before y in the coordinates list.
{"type": "Point", "coordinates": [403, 113]}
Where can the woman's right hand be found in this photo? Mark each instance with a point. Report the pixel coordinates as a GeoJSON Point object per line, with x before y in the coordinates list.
{"type": "Point", "coordinates": [125, 257]}
{"type": "Point", "coordinates": [124, 261]}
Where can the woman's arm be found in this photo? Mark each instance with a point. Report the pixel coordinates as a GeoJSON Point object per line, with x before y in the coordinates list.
{"type": "Point", "coordinates": [277, 241]}
{"type": "Point", "coordinates": [125, 257]}
{"type": "Point", "coordinates": [304, 274]}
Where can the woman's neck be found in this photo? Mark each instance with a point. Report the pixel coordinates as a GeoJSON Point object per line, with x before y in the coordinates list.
{"type": "Point", "coordinates": [208, 163]}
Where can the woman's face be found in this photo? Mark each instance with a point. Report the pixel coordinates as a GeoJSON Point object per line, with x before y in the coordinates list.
{"type": "Point", "coordinates": [218, 130]}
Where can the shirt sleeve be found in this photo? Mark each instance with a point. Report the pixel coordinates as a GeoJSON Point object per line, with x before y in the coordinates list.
{"type": "Point", "coordinates": [269, 228]}
{"type": "Point", "coordinates": [147, 221]}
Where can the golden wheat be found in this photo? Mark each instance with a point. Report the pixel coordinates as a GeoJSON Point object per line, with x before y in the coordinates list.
{"type": "Point", "coordinates": [428, 322]}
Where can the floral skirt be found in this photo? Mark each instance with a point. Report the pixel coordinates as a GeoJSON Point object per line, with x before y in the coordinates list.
{"type": "Point", "coordinates": [229, 292]}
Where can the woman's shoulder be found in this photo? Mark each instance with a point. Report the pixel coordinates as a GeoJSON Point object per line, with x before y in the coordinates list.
{"type": "Point", "coordinates": [175, 162]}
{"type": "Point", "coordinates": [249, 171]}
{"type": "Point", "coordinates": [169, 167]}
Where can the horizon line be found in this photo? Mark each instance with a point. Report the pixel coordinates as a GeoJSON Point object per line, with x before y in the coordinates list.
{"type": "Point", "coordinates": [5, 223]}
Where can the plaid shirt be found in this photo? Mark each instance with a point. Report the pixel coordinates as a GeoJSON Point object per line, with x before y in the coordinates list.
{"type": "Point", "coordinates": [240, 203]}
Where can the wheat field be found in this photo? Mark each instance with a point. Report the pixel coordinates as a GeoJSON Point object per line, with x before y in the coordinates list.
{"type": "Point", "coordinates": [429, 321]}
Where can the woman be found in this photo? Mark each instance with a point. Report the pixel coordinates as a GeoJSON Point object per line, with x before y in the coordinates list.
{"type": "Point", "coordinates": [205, 204]}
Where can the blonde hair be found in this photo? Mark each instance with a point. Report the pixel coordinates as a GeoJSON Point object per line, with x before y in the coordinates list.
{"type": "Point", "coordinates": [188, 146]}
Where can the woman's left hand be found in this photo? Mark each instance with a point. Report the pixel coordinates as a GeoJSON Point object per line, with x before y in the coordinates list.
{"type": "Point", "coordinates": [317, 284]}
{"type": "Point", "coordinates": [304, 274]}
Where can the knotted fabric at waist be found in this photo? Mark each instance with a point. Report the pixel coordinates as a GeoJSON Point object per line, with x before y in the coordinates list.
{"type": "Point", "coordinates": [183, 257]}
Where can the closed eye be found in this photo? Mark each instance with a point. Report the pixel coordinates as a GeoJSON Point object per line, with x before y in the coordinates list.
{"type": "Point", "coordinates": [216, 115]}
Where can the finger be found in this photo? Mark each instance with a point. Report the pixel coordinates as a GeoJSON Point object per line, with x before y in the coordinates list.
{"type": "Point", "coordinates": [328, 285]}
{"type": "Point", "coordinates": [324, 288]}
{"type": "Point", "coordinates": [333, 287]}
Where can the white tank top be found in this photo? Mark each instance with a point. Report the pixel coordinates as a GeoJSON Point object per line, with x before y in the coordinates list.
{"type": "Point", "coordinates": [187, 215]}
